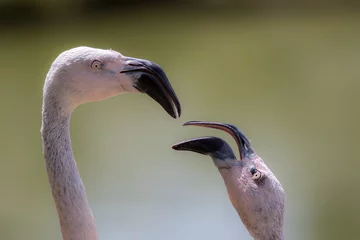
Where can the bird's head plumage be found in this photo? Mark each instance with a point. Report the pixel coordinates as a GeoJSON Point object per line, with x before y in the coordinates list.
{"type": "Point", "coordinates": [86, 74]}
{"type": "Point", "coordinates": [255, 192]}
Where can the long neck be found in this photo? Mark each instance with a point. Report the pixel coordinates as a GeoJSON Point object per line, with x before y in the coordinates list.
{"type": "Point", "coordinates": [261, 227]}
{"type": "Point", "coordinates": [76, 219]}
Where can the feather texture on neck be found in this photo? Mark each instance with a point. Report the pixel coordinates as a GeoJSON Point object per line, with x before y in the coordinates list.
{"type": "Point", "coordinates": [76, 219]}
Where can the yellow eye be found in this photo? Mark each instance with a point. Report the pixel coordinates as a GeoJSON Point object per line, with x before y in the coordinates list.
{"type": "Point", "coordinates": [96, 65]}
{"type": "Point", "coordinates": [256, 175]}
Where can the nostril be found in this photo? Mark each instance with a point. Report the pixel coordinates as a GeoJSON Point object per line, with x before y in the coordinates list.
{"type": "Point", "coordinates": [136, 64]}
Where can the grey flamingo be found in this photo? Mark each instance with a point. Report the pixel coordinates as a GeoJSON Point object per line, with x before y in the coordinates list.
{"type": "Point", "coordinates": [253, 189]}
{"type": "Point", "coordinates": [78, 76]}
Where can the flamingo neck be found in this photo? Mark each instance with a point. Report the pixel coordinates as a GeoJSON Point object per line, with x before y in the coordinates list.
{"type": "Point", "coordinates": [75, 216]}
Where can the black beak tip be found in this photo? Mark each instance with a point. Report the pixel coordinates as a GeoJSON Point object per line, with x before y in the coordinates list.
{"type": "Point", "coordinates": [176, 146]}
{"type": "Point", "coordinates": [188, 123]}
{"type": "Point", "coordinates": [179, 111]}
{"type": "Point", "coordinates": [176, 113]}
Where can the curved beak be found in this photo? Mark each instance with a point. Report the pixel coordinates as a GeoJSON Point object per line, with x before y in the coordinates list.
{"type": "Point", "coordinates": [151, 79]}
{"type": "Point", "coordinates": [214, 147]}
{"type": "Point", "coordinates": [242, 141]}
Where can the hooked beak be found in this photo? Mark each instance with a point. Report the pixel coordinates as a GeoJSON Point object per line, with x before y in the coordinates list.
{"type": "Point", "coordinates": [212, 145]}
{"type": "Point", "coordinates": [149, 78]}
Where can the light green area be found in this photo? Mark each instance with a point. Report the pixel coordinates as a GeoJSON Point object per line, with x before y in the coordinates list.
{"type": "Point", "coordinates": [292, 84]}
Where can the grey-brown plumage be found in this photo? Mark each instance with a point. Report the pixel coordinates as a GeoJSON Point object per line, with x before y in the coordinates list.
{"type": "Point", "coordinates": [254, 191]}
{"type": "Point", "coordinates": [78, 76]}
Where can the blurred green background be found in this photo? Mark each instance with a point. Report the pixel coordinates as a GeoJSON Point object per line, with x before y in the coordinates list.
{"type": "Point", "coordinates": [285, 73]}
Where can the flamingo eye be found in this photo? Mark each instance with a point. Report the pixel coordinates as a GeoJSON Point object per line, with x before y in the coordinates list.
{"type": "Point", "coordinates": [256, 174]}
{"type": "Point", "coordinates": [96, 65]}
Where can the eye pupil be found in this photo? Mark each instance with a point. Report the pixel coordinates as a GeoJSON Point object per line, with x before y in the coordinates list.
{"type": "Point", "coordinates": [96, 64]}
{"type": "Point", "coordinates": [256, 174]}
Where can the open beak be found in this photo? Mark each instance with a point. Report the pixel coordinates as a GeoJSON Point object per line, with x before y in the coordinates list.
{"type": "Point", "coordinates": [215, 143]}
{"type": "Point", "coordinates": [212, 146]}
{"type": "Point", "coordinates": [149, 78]}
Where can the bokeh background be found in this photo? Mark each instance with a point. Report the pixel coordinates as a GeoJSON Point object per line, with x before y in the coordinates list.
{"type": "Point", "coordinates": [286, 73]}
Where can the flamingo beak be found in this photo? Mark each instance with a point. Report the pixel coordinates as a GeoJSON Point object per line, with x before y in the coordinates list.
{"type": "Point", "coordinates": [214, 147]}
{"type": "Point", "coordinates": [150, 78]}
